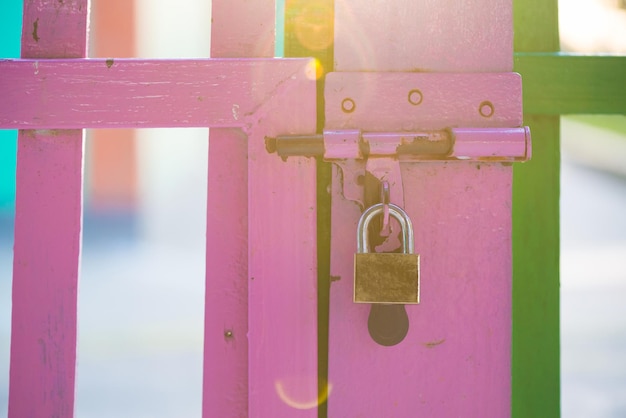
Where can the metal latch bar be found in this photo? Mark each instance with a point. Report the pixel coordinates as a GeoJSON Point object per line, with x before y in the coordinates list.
{"type": "Point", "coordinates": [481, 144]}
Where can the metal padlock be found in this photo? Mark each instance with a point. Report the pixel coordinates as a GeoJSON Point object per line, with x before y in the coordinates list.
{"type": "Point", "coordinates": [390, 278]}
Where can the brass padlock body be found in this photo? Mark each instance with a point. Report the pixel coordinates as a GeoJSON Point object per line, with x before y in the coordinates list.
{"type": "Point", "coordinates": [386, 278]}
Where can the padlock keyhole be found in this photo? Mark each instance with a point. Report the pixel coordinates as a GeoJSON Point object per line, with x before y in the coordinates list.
{"type": "Point", "coordinates": [388, 324]}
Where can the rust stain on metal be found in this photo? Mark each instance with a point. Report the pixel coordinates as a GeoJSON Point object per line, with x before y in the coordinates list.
{"type": "Point", "coordinates": [270, 144]}
{"type": "Point", "coordinates": [415, 97]}
{"type": "Point", "coordinates": [434, 143]}
{"type": "Point", "coordinates": [348, 105]}
{"type": "Point", "coordinates": [486, 109]}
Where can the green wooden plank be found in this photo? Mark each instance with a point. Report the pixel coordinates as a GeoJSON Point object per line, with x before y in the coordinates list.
{"type": "Point", "coordinates": [536, 344]}
{"type": "Point", "coordinates": [536, 26]}
{"type": "Point", "coordinates": [565, 84]}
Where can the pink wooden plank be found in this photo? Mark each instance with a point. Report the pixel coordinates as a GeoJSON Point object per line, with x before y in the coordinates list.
{"type": "Point", "coordinates": [282, 269]}
{"type": "Point", "coordinates": [45, 274]}
{"type": "Point", "coordinates": [242, 28]}
{"type": "Point", "coordinates": [225, 379]}
{"type": "Point", "coordinates": [47, 234]}
{"type": "Point", "coordinates": [279, 373]}
{"type": "Point", "coordinates": [455, 360]}
{"type": "Point", "coordinates": [225, 384]}
{"type": "Point", "coordinates": [98, 93]}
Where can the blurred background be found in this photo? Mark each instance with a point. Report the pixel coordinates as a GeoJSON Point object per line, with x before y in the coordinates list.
{"type": "Point", "coordinates": [142, 270]}
{"type": "Point", "coordinates": [593, 229]}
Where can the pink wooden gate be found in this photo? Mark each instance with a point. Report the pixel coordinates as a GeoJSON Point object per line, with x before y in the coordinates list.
{"type": "Point", "coordinates": [261, 320]}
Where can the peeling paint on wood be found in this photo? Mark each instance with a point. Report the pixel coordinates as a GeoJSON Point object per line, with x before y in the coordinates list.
{"type": "Point", "coordinates": [53, 29]}
{"type": "Point", "coordinates": [35, 27]}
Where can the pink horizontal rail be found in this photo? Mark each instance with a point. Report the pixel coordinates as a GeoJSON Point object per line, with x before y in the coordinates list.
{"type": "Point", "coordinates": [131, 93]}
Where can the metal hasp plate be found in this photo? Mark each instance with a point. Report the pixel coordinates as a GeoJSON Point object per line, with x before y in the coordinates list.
{"type": "Point", "coordinates": [377, 121]}
{"type": "Point", "coordinates": [467, 116]}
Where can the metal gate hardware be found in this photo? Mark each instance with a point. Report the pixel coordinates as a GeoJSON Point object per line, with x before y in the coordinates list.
{"type": "Point", "coordinates": [376, 121]}
{"type": "Point", "coordinates": [386, 280]}
{"type": "Point", "coordinates": [477, 144]}
{"type": "Point", "coordinates": [418, 116]}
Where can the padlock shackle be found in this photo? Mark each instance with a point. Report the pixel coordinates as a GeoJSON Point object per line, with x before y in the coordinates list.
{"type": "Point", "coordinates": [362, 240]}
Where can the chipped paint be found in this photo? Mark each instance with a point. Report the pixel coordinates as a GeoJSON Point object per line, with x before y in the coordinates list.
{"type": "Point", "coordinates": [435, 343]}
{"type": "Point", "coordinates": [235, 111]}
{"type": "Point", "coordinates": [35, 30]}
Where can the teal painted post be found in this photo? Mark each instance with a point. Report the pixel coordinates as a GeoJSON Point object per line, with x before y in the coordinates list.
{"type": "Point", "coordinates": [279, 42]}
{"type": "Point", "coordinates": [10, 33]}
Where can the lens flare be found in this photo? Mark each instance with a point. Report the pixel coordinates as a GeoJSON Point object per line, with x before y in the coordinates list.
{"type": "Point", "coordinates": [293, 393]}
{"type": "Point", "coordinates": [313, 25]}
{"type": "Point", "coordinates": [315, 70]}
